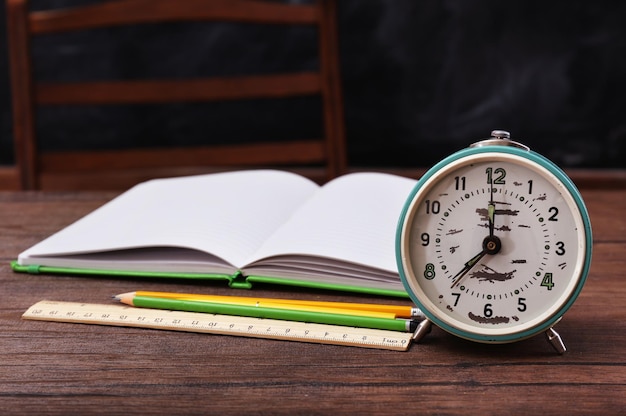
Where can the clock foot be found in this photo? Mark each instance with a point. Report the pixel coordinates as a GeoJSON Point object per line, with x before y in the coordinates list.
{"type": "Point", "coordinates": [422, 329]}
{"type": "Point", "coordinates": [555, 340]}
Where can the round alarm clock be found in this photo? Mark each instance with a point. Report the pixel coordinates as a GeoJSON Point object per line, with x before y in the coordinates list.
{"type": "Point", "coordinates": [494, 243]}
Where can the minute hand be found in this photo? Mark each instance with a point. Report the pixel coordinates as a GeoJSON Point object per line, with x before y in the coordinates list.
{"type": "Point", "coordinates": [468, 266]}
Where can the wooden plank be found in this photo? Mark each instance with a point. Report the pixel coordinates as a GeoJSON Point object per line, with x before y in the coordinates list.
{"type": "Point", "coordinates": [334, 125]}
{"type": "Point", "coordinates": [108, 367]}
{"type": "Point", "coordinates": [136, 11]}
{"type": "Point", "coordinates": [22, 92]}
{"type": "Point", "coordinates": [9, 178]}
{"type": "Point", "coordinates": [167, 91]}
{"type": "Point", "coordinates": [292, 152]}
{"type": "Point", "coordinates": [122, 179]}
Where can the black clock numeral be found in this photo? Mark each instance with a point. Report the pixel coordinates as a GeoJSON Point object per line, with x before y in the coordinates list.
{"type": "Point", "coordinates": [488, 311]}
{"type": "Point", "coordinates": [459, 183]}
{"type": "Point", "coordinates": [561, 248]}
{"type": "Point", "coordinates": [457, 296]}
{"type": "Point", "coordinates": [530, 187]}
{"type": "Point", "coordinates": [521, 304]}
{"type": "Point", "coordinates": [425, 239]}
{"type": "Point", "coordinates": [432, 207]}
{"type": "Point", "coordinates": [555, 212]}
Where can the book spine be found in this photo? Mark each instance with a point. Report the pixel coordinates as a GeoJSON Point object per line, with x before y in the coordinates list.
{"type": "Point", "coordinates": [239, 281]}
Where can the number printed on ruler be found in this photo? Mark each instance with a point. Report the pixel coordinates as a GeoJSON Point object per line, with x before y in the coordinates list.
{"type": "Point", "coordinates": [117, 315]}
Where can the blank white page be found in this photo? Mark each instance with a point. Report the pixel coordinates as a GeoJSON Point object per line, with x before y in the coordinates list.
{"type": "Point", "coordinates": [352, 218]}
{"type": "Point", "coordinates": [226, 214]}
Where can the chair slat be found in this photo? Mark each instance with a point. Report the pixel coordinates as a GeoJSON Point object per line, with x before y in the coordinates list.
{"type": "Point", "coordinates": [151, 11]}
{"type": "Point", "coordinates": [292, 152]}
{"type": "Point", "coordinates": [165, 91]}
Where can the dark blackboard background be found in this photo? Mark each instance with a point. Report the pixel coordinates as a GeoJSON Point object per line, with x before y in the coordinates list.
{"type": "Point", "coordinates": [420, 79]}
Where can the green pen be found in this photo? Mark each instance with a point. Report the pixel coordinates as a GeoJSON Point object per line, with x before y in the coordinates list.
{"type": "Point", "coordinates": [402, 325]}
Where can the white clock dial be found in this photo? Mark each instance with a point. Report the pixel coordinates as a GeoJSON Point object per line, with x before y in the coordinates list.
{"type": "Point", "coordinates": [493, 246]}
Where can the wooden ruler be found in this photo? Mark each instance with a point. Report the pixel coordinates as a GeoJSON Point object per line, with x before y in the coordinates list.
{"type": "Point", "coordinates": [118, 315]}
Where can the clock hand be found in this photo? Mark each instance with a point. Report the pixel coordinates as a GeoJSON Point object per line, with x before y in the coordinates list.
{"type": "Point", "coordinates": [468, 266]}
{"type": "Point", "coordinates": [491, 246]}
{"type": "Point", "coordinates": [491, 212]}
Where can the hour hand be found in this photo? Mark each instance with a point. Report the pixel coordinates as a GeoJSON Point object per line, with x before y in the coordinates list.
{"type": "Point", "coordinates": [491, 213]}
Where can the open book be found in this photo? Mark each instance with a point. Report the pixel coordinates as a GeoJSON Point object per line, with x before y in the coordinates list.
{"type": "Point", "coordinates": [245, 227]}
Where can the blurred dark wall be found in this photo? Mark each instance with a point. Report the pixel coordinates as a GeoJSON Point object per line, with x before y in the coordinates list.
{"type": "Point", "coordinates": [420, 79]}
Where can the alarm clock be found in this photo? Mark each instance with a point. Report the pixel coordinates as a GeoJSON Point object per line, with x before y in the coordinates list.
{"type": "Point", "coordinates": [494, 243]}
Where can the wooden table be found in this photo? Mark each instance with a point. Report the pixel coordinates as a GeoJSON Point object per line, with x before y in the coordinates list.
{"type": "Point", "coordinates": [58, 368]}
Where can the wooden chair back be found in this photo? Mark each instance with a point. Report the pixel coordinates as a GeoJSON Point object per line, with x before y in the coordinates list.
{"type": "Point", "coordinates": [321, 158]}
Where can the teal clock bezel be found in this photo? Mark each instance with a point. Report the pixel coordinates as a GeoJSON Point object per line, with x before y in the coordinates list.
{"type": "Point", "coordinates": [571, 189]}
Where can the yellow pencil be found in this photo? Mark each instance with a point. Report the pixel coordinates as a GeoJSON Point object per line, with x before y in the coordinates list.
{"type": "Point", "coordinates": [398, 311]}
{"type": "Point", "coordinates": [265, 303]}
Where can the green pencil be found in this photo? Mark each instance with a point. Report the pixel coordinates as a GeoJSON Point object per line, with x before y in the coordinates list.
{"type": "Point", "coordinates": [402, 325]}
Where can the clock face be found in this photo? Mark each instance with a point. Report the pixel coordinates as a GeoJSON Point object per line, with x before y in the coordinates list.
{"type": "Point", "coordinates": [493, 246]}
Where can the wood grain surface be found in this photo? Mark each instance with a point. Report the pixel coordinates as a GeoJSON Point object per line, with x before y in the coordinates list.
{"type": "Point", "coordinates": [57, 368]}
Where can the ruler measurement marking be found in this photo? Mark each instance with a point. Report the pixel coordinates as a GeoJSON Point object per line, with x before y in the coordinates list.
{"type": "Point", "coordinates": [117, 315]}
